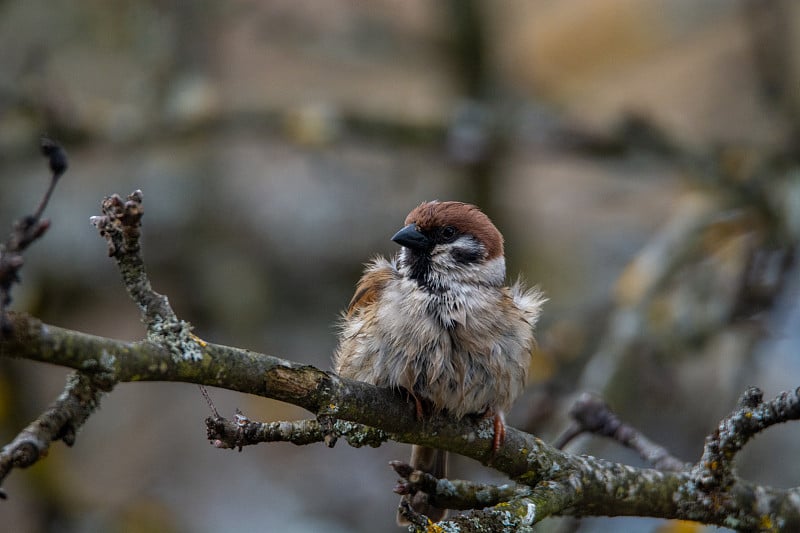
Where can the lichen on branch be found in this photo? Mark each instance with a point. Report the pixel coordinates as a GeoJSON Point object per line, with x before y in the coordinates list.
{"type": "Point", "coordinates": [549, 481]}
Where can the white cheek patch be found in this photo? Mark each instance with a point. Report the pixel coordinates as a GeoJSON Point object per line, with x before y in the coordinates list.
{"type": "Point", "coordinates": [463, 251]}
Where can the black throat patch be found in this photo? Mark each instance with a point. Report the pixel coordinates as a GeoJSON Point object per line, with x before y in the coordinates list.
{"type": "Point", "coordinates": [419, 269]}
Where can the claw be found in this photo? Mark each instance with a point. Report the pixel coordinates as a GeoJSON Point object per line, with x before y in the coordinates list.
{"type": "Point", "coordinates": [402, 469]}
{"type": "Point", "coordinates": [402, 488]}
{"type": "Point", "coordinates": [420, 407]}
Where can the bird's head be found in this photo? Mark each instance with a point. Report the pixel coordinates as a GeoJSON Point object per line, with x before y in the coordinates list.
{"type": "Point", "coordinates": [450, 242]}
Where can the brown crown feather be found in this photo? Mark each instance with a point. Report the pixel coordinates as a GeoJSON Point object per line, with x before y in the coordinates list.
{"type": "Point", "coordinates": [466, 218]}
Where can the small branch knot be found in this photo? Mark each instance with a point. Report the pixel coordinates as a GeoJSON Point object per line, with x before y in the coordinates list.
{"type": "Point", "coordinates": [752, 397]}
{"type": "Point", "coordinates": [56, 156]}
{"type": "Point", "coordinates": [25, 454]}
{"type": "Point", "coordinates": [331, 435]}
{"type": "Point", "coordinates": [120, 223]}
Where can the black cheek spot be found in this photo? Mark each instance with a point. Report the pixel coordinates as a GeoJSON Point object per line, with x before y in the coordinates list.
{"type": "Point", "coordinates": [466, 255]}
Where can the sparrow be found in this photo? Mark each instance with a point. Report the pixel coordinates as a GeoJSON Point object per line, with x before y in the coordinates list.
{"type": "Point", "coordinates": [438, 321]}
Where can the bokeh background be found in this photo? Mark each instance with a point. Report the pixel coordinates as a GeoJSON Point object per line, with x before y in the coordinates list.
{"type": "Point", "coordinates": [640, 157]}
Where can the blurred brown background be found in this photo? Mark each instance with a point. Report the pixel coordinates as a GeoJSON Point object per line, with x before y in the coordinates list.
{"type": "Point", "coordinates": [639, 156]}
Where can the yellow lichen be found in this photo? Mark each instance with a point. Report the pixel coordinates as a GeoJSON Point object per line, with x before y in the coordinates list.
{"type": "Point", "coordinates": [198, 340]}
{"type": "Point", "coordinates": [433, 527]}
{"type": "Point", "coordinates": [681, 526]}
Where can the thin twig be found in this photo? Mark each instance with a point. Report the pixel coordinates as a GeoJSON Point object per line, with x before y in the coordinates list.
{"type": "Point", "coordinates": [60, 421]}
{"type": "Point", "coordinates": [242, 432]}
{"type": "Point", "coordinates": [752, 416]}
{"type": "Point", "coordinates": [453, 493]}
{"type": "Point", "coordinates": [26, 230]}
{"type": "Point", "coordinates": [120, 224]}
{"type": "Point", "coordinates": [204, 392]}
{"type": "Point", "coordinates": [58, 163]}
{"type": "Point", "coordinates": [591, 414]}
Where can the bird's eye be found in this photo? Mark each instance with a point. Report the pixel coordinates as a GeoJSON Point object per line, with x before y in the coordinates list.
{"type": "Point", "coordinates": [448, 232]}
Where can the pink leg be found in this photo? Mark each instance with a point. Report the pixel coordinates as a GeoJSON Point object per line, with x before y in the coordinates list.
{"type": "Point", "coordinates": [499, 431]}
{"type": "Point", "coordinates": [418, 404]}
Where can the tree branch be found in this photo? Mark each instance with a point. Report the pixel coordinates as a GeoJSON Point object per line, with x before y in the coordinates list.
{"type": "Point", "coordinates": [591, 414]}
{"type": "Point", "coordinates": [714, 484]}
{"type": "Point", "coordinates": [242, 432]}
{"type": "Point", "coordinates": [551, 481]}
{"type": "Point", "coordinates": [715, 470]}
{"type": "Point", "coordinates": [120, 224]}
{"type": "Point", "coordinates": [583, 485]}
{"type": "Point", "coordinates": [453, 493]}
{"type": "Point", "coordinates": [60, 421]}
{"type": "Point", "coordinates": [27, 229]}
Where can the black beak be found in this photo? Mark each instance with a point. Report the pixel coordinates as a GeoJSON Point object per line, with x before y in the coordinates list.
{"type": "Point", "coordinates": [411, 238]}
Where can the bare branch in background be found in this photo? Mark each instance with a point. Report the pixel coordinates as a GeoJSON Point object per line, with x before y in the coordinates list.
{"type": "Point", "coordinates": [28, 229]}
{"type": "Point", "coordinates": [73, 407]}
{"type": "Point", "coordinates": [591, 414]}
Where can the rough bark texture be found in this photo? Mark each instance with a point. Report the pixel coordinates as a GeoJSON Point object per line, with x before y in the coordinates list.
{"type": "Point", "coordinates": [549, 481]}
{"type": "Point", "coordinates": [560, 483]}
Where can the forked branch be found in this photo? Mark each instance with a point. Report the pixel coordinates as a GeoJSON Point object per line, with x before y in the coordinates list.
{"type": "Point", "coordinates": [549, 481]}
